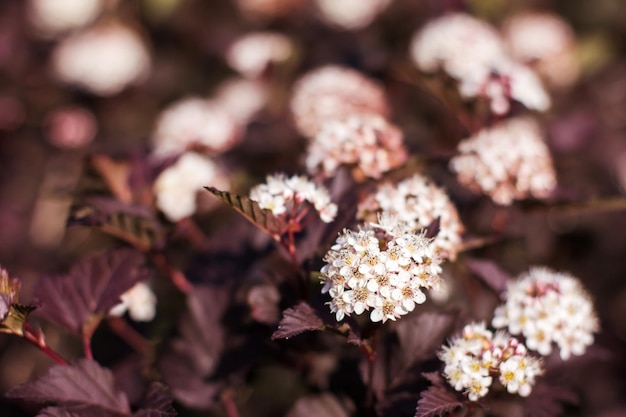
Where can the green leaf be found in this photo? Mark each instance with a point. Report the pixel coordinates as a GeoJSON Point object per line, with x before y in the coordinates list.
{"type": "Point", "coordinates": [261, 218]}
{"type": "Point", "coordinates": [14, 321]}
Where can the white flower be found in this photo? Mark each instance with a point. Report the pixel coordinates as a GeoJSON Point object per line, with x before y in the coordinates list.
{"type": "Point", "coordinates": [548, 308]}
{"type": "Point", "coordinates": [350, 14]}
{"type": "Point", "coordinates": [471, 359]}
{"type": "Point", "coordinates": [103, 59]}
{"type": "Point", "coordinates": [241, 98]}
{"type": "Point", "coordinates": [53, 17]}
{"type": "Point", "coordinates": [417, 202]}
{"type": "Point", "coordinates": [177, 185]}
{"type": "Point", "coordinates": [194, 122]}
{"type": "Point", "coordinates": [139, 301]}
{"type": "Point", "coordinates": [252, 53]}
{"type": "Point", "coordinates": [292, 196]}
{"type": "Point", "coordinates": [508, 161]}
{"type": "Point", "coordinates": [371, 270]}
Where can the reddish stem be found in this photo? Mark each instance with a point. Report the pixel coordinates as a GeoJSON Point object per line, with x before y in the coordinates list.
{"type": "Point", "coordinates": [87, 346]}
{"type": "Point", "coordinates": [38, 341]}
{"type": "Point", "coordinates": [175, 275]}
{"type": "Point", "coordinates": [135, 340]}
{"type": "Point", "coordinates": [370, 355]}
{"type": "Point", "coordinates": [229, 404]}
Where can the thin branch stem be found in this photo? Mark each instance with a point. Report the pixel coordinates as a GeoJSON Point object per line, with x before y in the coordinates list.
{"type": "Point", "coordinates": [174, 274]}
{"type": "Point", "coordinates": [133, 338]}
{"type": "Point", "coordinates": [87, 346]}
{"type": "Point", "coordinates": [371, 368]}
{"type": "Point", "coordinates": [229, 404]}
{"type": "Point", "coordinates": [39, 341]}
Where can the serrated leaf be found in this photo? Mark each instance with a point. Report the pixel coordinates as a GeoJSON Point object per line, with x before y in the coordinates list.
{"type": "Point", "coordinates": [296, 320]}
{"type": "Point", "coordinates": [261, 218]}
{"type": "Point", "coordinates": [135, 225]}
{"type": "Point", "coordinates": [437, 401]}
{"type": "Point", "coordinates": [77, 386]}
{"type": "Point", "coordinates": [490, 273]}
{"type": "Point", "coordinates": [14, 321]}
{"type": "Point", "coordinates": [422, 334]}
{"type": "Point", "coordinates": [91, 287]}
{"type": "Point", "coordinates": [158, 403]}
{"type": "Point", "coordinates": [547, 400]}
{"type": "Point", "coordinates": [82, 412]}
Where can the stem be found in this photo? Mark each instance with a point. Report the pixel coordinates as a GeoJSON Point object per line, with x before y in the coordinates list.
{"type": "Point", "coordinates": [87, 346]}
{"type": "Point", "coordinates": [175, 275]}
{"type": "Point", "coordinates": [39, 341]}
{"type": "Point", "coordinates": [133, 338]}
{"type": "Point", "coordinates": [229, 404]}
{"type": "Point", "coordinates": [371, 367]}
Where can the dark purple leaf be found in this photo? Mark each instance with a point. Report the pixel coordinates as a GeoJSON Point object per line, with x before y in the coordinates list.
{"type": "Point", "coordinates": [296, 320]}
{"type": "Point", "coordinates": [432, 230]}
{"type": "Point", "coordinates": [546, 400]}
{"type": "Point", "coordinates": [192, 358]}
{"type": "Point", "coordinates": [79, 412]}
{"type": "Point", "coordinates": [325, 405]}
{"type": "Point", "coordinates": [490, 273]}
{"type": "Point", "coordinates": [79, 385]}
{"type": "Point", "coordinates": [134, 224]}
{"type": "Point", "coordinates": [438, 399]}
{"type": "Point", "coordinates": [91, 287]}
{"type": "Point", "coordinates": [420, 335]}
{"type": "Point", "coordinates": [261, 218]}
{"type": "Point", "coordinates": [158, 403]}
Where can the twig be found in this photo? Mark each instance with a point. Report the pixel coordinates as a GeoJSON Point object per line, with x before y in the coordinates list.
{"type": "Point", "coordinates": [133, 338]}
{"type": "Point", "coordinates": [229, 404]}
{"type": "Point", "coordinates": [39, 341]}
{"type": "Point", "coordinates": [175, 275]}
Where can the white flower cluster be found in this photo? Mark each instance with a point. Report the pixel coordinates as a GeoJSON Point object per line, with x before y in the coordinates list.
{"type": "Point", "coordinates": [287, 197]}
{"type": "Point", "coordinates": [139, 301]}
{"type": "Point", "coordinates": [382, 267]}
{"type": "Point", "coordinates": [507, 161]}
{"type": "Point", "coordinates": [177, 186]}
{"type": "Point", "coordinates": [473, 359]}
{"type": "Point", "coordinates": [366, 141]}
{"type": "Point", "coordinates": [252, 53]}
{"type": "Point", "coordinates": [549, 307]}
{"type": "Point", "coordinates": [334, 93]}
{"type": "Point", "coordinates": [350, 14]}
{"type": "Point", "coordinates": [418, 202]}
{"type": "Point", "coordinates": [545, 42]}
{"type": "Point", "coordinates": [194, 122]}
{"type": "Point", "coordinates": [473, 53]}
{"type": "Point", "coordinates": [103, 59]}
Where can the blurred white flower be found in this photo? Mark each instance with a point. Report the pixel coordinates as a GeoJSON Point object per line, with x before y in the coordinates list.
{"type": "Point", "coordinates": [350, 14]}
{"type": "Point", "coordinates": [333, 93]}
{"type": "Point", "coordinates": [270, 9]}
{"type": "Point", "coordinates": [52, 17]}
{"type": "Point", "coordinates": [241, 98]}
{"type": "Point", "coordinates": [545, 42]}
{"type": "Point", "coordinates": [177, 185]}
{"type": "Point", "coordinates": [508, 161]}
{"type": "Point", "coordinates": [254, 52]}
{"type": "Point", "coordinates": [194, 123]}
{"type": "Point", "coordinates": [548, 308]}
{"type": "Point", "coordinates": [365, 141]}
{"type": "Point", "coordinates": [102, 59]}
{"type": "Point", "coordinates": [139, 301]}
{"type": "Point", "coordinates": [418, 202]}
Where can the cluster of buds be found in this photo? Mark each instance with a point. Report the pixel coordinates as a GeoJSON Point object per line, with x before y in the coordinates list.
{"type": "Point", "coordinates": [292, 197]}
{"type": "Point", "coordinates": [473, 53]}
{"type": "Point", "coordinates": [383, 267]}
{"type": "Point", "coordinates": [477, 356]}
{"type": "Point", "coordinates": [344, 114]}
{"type": "Point", "coordinates": [508, 161]}
{"type": "Point", "coordinates": [139, 301]}
{"type": "Point", "coordinates": [253, 53]}
{"type": "Point", "coordinates": [549, 307]}
{"type": "Point", "coordinates": [364, 141]}
{"type": "Point", "coordinates": [417, 202]}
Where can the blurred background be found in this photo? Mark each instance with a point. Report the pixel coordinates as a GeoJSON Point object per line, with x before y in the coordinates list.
{"type": "Point", "coordinates": [94, 77]}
